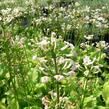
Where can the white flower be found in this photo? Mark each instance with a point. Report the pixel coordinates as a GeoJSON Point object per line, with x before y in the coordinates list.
{"type": "Point", "coordinates": [87, 18]}
{"type": "Point", "coordinates": [98, 10]}
{"type": "Point", "coordinates": [42, 59]}
{"type": "Point", "coordinates": [59, 77]}
{"type": "Point", "coordinates": [21, 42]}
{"type": "Point", "coordinates": [106, 26]}
{"type": "Point", "coordinates": [77, 4]}
{"type": "Point", "coordinates": [53, 34]}
{"type": "Point", "coordinates": [41, 68]}
{"type": "Point", "coordinates": [15, 11]}
{"type": "Point", "coordinates": [70, 45]}
{"type": "Point", "coordinates": [34, 57]}
{"type": "Point", "coordinates": [68, 63]}
{"type": "Point", "coordinates": [87, 9]}
{"type": "Point", "coordinates": [69, 55]}
{"type": "Point", "coordinates": [36, 21]}
{"type": "Point", "coordinates": [89, 37]}
{"type": "Point", "coordinates": [101, 19]}
{"type": "Point", "coordinates": [53, 94]}
{"type": "Point", "coordinates": [68, 27]}
{"type": "Point", "coordinates": [53, 39]}
{"type": "Point", "coordinates": [45, 79]}
{"type": "Point", "coordinates": [8, 19]}
{"type": "Point", "coordinates": [45, 102]}
{"type": "Point", "coordinates": [65, 47]}
{"type": "Point", "coordinates": [61, 60]}
{"type": "Point", "coordinates": [83, 45]}
{"type": "Point", "coordinates": [64, 99]}
{"type": "Point", "coordinates": [0, 18]}
{"type": "Point", "coordinates": [99, 24]}
{"type": "Point", "coordinates": [86, 72]}
{"type": "Point", "coordinates": [62, 9]}
{"type": "Point", "coordinates": [102, 44]}
{"type": "Point", "coordinates": [103, 7]}
{"type": "Point", "coordinates": [96, 69]}
{"type": "Point", "coordinates": [44, 44]}
{"type": "Point", "coordinates": [6, 11]}
{"type": "Point", "coordinates": [71, 73]}
{"type": "Point", "coordinates": [75, 66]}
{"type": "Point", "coordinates": [87, 61]}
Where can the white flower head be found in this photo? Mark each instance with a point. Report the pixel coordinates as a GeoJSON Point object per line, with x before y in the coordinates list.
{"type": "Point", "coordinates": [63, 99]}
{"type": "Point", "coordinates": [87, 61]}
{"type": "Point", "coordinates": [96, 69]}
{"type": "Point", "coordinates": [45, 102]}
{"type": "Point", "coordinates": [53, 34]}
{"type": "Point", "coordinates": [53, 94]}
{"type": "Point", "coordinates": [77, 4]}
{"type": "Point", "coordinates": [53, 39]}
{"type": "Point", "coordinates": [102, 44]}
{"type": "Point", "coordinates": [41, 59]}
{"type": "Point", "coordinates": [45, 79]}
{"type": "Point", "coordinates": [101, 19]}
{"type": "Point", "coordinates": [0, 18]}
{"type": "Point", "coordinates": [44, 43]}
{"type": "Point", "coordinates": [86, 72]}
{"type": "Point", "coordinates": [61, 60]}
{"type": "Point", "coordinates": [68, 63]}
{"type": "Point", "coordinates": [67, 45]}
{"type": "Point", "coordinates": [71, 73]}
{"type": "Point", "coordinates": [87, 9]}
{"type": "Point", "coordinates": [6, 11]}
{"type": "Point", "coordinates": [68, 27]}
{"type": "Point", "coordinates": [75, 66]}
{"type": "Point", "coordinates": [87, 18]}
{"type": "Point", "coordinates": [89, 37]}
{"type": "Point", "coordinates": [59, 77]}
{"type": "Point", "coordinates": [34, 57]}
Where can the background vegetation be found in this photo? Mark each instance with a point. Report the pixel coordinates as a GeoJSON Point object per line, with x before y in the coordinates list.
{"type": "Point", "coordinates": [54, 54]}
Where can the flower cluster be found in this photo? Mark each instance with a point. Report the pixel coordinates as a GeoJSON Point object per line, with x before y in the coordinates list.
{"type": "Point", "coordinates": [9, 14]}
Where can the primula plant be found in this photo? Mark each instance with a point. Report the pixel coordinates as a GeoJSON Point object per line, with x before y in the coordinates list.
{"type": "Point", "coordinates": [56, 67]}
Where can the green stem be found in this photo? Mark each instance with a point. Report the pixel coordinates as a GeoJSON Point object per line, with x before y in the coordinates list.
{"type": "Point", "coordinates": [57, 83]}
{"type": "Point", "coordinates": [83, 96]}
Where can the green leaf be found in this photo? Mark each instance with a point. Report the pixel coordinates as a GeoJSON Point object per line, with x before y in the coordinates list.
{"type": "Point", "coordinates": [101, 107]}
{"type": "Point", "coordinates": [33, 107]}
{"type": "Point", "coordinates": [13, 104]}
{"type": "Point", "coordinates": [2, 106]}
{"type": "Point", "coordinates": [106, 93]}
{"type": "Point", "coordinates": [90, 101]}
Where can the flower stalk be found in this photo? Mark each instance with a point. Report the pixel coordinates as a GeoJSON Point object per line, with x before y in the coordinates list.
{"type": "Point", "coordinates": [83, 96]}
{"type": "Point", "coordinates": [84, 89]}
{"type": "Point", "coordinates": [57, 83]}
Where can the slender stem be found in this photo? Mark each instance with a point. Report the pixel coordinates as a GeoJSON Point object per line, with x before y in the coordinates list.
{"type": "Point", "coordinates": [57, 83]}
{"type": "Point", "coordinates": [58, 96]}
{"type": "Point", "coordinates": [83, 96]}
